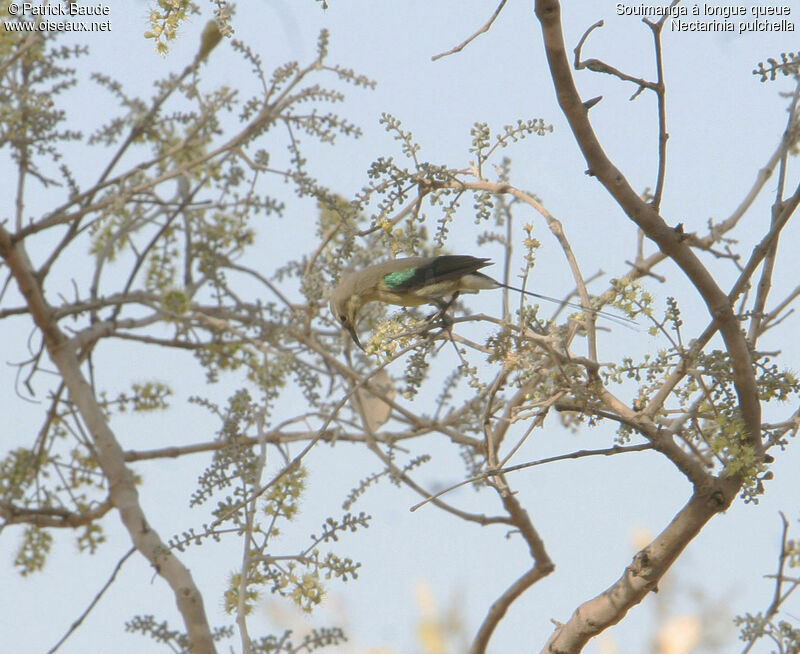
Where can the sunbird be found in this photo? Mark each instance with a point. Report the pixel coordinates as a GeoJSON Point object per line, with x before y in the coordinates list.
{"type": "Point", "coordinates": [414, 281]}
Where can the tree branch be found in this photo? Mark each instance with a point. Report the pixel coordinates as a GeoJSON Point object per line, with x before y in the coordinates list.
{"type": "Point", "coordinates": [642, 576]}
{"type": "Point", "coordinates": [51, 517]}
{"type": "Point", "coordinates": [669, 240]}
{"type": "Point", "coordinates": [122, 487]}
{"type": "Point", "coordinates": [77, 623]}
{"type": "Point", "coordinates": [481, 30]}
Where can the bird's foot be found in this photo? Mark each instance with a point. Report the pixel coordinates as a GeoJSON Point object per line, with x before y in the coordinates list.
{"type": "Point", "coordinates": [438, 319]}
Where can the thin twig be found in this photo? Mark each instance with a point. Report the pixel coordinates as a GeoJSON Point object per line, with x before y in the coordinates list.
{"type": "Point", "coordinates": [778, 597]}
{"type": "Point", "coordinates": [768, 268]}
{"type": "Point", "coordinates": [481, 30]}
{"type": "Point", "coordinates": [597, 66]}
{"type": "Point", "coordinates": [579, 454]}
{"type": "Point", "coordinates": [94, 602]}
{"type": "Point", "coordinates": [660, 91]}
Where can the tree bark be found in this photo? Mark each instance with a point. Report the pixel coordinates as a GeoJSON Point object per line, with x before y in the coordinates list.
{"type": "Point", "coordinates": [110, 456]}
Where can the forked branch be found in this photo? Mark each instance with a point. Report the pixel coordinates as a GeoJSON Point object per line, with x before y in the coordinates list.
{"type": "Point", "coordinates": [646, 216]}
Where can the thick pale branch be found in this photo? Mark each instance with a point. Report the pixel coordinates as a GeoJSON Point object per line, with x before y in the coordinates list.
{"type": "Point", "coordinates": [122, 487]}
{"type": "Point", "coordinates": [642, 576]}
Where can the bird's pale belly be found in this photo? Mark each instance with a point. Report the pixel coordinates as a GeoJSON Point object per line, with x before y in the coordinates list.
{"type": "Point", "coordinates": [419, 296]}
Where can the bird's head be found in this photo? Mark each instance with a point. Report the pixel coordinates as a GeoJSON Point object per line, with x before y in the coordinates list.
{"type": "Point", "coordinates": [345, 305]}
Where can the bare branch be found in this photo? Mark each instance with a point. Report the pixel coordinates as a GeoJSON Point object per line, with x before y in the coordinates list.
{"type": "Point", "coordinates": [123, 493]}
{"type": "Point", "coordinates": [579, 454]}
{"type": "Point", "coordinates": [778, 596]}
{"type": "Point", "coordinates": [668, 239]}
{"type": "Point", "coordinates": [481, 30]}
{"type": "Point", "coordinates": [55, 518]}
{"type": "Point", "coordinates": [77, 623]}
{"type": "Point", "coordinates": [641, 577]}
{"type": "Point", "coordinates": [597, 66]}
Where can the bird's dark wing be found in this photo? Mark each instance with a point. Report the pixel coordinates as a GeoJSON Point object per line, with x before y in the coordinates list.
{"type": "Point", "coordinates": [436, 270]}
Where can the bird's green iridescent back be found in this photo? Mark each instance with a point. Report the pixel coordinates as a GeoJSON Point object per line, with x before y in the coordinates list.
{"type": "Point", "coordinates": [395, 279]}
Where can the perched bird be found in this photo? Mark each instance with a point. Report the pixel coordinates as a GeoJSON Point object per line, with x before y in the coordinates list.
{"type": "Point", "coordinates": [412, 282]}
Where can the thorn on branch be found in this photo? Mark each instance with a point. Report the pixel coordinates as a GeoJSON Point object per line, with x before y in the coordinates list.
{"type": "Point", "coordinates": [637, 94]}
{"type": "Point", "coordinates": [591, 103]}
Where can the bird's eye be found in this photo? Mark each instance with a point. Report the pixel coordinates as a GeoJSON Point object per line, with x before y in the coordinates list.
{"type": "Point", "coordinates": [342, 317]}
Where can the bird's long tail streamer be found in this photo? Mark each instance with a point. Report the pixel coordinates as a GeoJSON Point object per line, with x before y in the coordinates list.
{"type": "Point", "coordinates": [627, 322]}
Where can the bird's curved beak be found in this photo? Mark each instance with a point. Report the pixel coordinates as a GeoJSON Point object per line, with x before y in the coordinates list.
{"type": "Point", "coordinates": [352, 330]}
